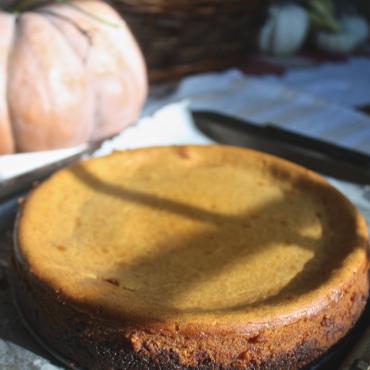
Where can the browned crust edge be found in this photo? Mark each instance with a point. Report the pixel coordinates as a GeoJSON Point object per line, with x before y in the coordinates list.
{"type": "Point", "coordinates": [92, 342]}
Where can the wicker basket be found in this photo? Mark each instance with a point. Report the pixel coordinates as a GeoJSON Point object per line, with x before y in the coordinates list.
{"type": "Point", "coordinates": [179, 37]}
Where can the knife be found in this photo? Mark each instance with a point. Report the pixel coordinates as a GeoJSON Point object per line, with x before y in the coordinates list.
{"type": "Point", "coordinates": [318, 155]}
{"type": "Point", "coordinates": [17, 185]}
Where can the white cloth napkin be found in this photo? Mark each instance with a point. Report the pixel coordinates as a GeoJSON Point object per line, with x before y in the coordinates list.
{"type": "Point", "coordinates": [345, 84]}
{"type": "Point", "coordinates": [288, 101]}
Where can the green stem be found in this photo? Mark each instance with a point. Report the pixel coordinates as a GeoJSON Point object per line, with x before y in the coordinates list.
{"type": "Point", "coordinates": [322, 15]}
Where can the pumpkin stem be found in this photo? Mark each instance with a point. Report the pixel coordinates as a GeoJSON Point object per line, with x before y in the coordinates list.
{"type": "Point", "coordinates": [6, 4]}
{"type": "Point", "coordinates": [19, 6]}
{"type": "Point", "coordinates": [322, 15]}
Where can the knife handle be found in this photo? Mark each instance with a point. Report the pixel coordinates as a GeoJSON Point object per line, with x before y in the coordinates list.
{"type": "Point", "coordinates": [317, 145]}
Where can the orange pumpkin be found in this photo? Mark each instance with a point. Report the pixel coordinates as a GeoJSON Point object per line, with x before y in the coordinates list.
{"type": "Point", "coordinates": [69, 73]}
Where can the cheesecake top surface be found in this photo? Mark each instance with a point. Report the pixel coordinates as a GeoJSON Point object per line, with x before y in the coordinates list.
{"type": "Point", "coordinates": [208, 233]}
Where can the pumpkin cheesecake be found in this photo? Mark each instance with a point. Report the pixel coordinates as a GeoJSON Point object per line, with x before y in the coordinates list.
{"type": "Point", "coordinates": [190, 257]}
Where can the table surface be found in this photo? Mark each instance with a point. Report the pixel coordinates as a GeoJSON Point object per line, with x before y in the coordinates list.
{"type": "Point", "coordinates": [19, 350]}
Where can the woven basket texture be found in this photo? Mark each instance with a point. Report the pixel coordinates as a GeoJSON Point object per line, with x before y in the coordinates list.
{"type": "Point", "coordinates": [180, 37]}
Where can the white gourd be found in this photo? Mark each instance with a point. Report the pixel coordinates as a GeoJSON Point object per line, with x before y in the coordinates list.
{"type": "Point", "coordinates": [285, 30]}
{"type": "Point", "coordinates": [354, 32]}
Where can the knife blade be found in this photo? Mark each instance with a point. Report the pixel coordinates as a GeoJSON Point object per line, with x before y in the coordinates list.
{"type": "Point", "coordinates": [20, 184]}
{"type": "Point", "coordinates": [320, 156]}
